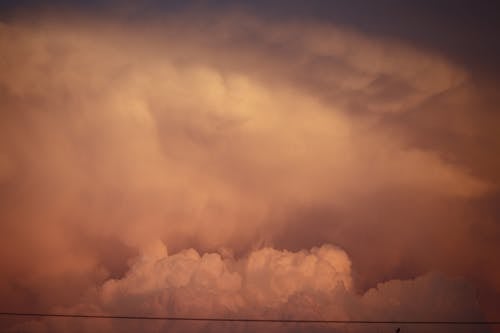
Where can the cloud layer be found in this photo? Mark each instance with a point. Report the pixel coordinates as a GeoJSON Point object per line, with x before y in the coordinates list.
{"type": "Point", "coordinates": [271, 284]}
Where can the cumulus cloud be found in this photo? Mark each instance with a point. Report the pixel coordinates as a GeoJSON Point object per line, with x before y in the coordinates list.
{"type": "Point", "coordinates": [311, 284]}
{"type": "Point", "coordinates": [225, 133]}
{"type": "Point", "coordinates": [192, 283]}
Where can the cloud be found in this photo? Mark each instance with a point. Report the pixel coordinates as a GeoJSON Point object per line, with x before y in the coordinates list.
{"type": "Point", "coordinates": [310, 284]}
{"type": "Point", "coordinates": [219, 132]}
{"type": "Point", "coordinates": [211, 285]}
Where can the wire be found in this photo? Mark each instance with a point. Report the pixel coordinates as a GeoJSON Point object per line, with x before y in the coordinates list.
{"type": "Point", "coordinates": [254, 320]}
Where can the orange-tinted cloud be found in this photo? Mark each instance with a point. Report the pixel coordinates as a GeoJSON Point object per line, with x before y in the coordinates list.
{"type": "Point", "coordinates": [227, 134]}
{"type": "Point", "coordinates": [271, 284]}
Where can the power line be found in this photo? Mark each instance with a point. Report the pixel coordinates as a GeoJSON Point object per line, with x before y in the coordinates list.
{"type": "Point", "coordinates": [253, 320]}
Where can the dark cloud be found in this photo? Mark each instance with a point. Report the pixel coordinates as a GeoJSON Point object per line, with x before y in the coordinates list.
{"type": "Point", "coordinates": [464, 31]}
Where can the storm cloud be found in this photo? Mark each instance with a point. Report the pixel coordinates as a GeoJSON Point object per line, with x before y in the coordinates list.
{"type": "Point", "coordinates": [197, 164]}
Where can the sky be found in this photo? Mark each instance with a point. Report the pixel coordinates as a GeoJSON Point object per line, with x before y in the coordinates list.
{"type": "Point", "coordinates": [286, 160]}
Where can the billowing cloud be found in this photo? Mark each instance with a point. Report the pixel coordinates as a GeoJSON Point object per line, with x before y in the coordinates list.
{"type": "Point", "coordinates": [272, 284]}
{"type": "Point", "coordinates": [233, 135]}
